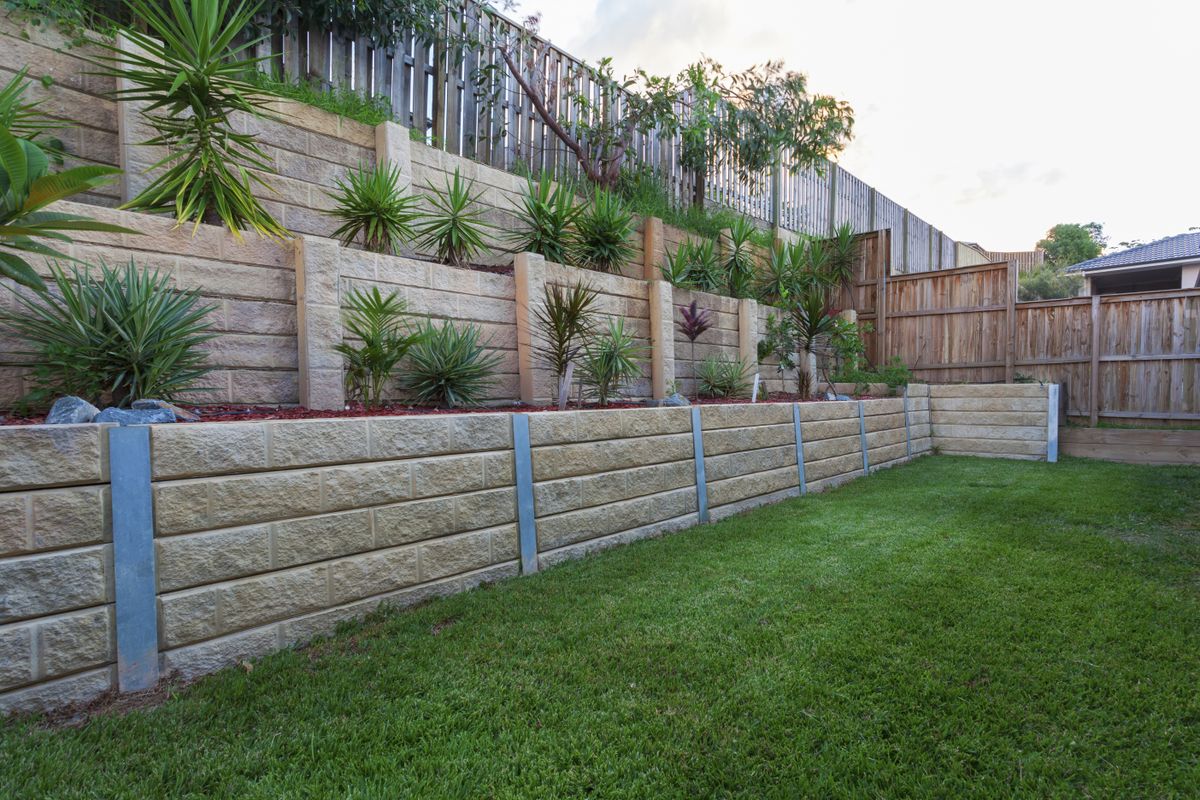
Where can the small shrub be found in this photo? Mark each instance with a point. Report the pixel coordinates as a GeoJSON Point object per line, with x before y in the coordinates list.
{"type": "Point", "coordinates": [693, 322]}
{"type": "Point", "coordinates": [718, 376]}
{"type": "Point", "coordinates": [112, 335]}
{"type": "Point", "coordinates": [695, 265]}
{"type": "Point", "coordinates": [610, 361]}
{"type": "Point", "coordinates": [450, 366]}
{"type": "Point", "coordinates": [775, 280]}
{"type": "Point", "coordinates": [602, 234]}
{"type": "Point", "coordinates": [369, 204]}
{"type": "Point", "coordinates": [377, 322]}
{"type": "Point", "coordinates": [1049, 282]}
{"type": "Point", "coordinates": [739, 261]}
{"type": "Point", "coordinates": [548, 212]}
{"type": "Point", "coordinates": [565, 321]}
{"type": "Point", "coordinates": [895, 374]}
{"type": "Point", "coordinates": [453, 230]}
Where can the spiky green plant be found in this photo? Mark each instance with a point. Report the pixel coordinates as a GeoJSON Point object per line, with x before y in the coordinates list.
{"type": "Point", "coordinates": [23, 119]}
{"type": "Point", "coordinates": [189, 65]}
{"type": "Point", "coordinates": [454, 227]}
{"type": "Point", "coordinates": [565, 321]}
{"type": "Point", "coordinates": [695, 265]}
{"type": "Point", "coordinates": [548, 213]}
{"type": "Point", "coordinates": [602, 234]}
{"type": "Point", "coordinates": [370, 205]}
{"type": "Point", "coordinates": [719, 376]}
{"type": "Point", "coordinates": [379, 339]}
{"type": "Point", "coordinates": [842, 256]}
{"type": "Point", "coordinates": [611, 361]}
{"type": "Point", "coordinates": [739, 258]}
{"type": "Point", "coordinates": [776, 278]}
{"type": "Point", "coordinates": [450, 366]}
{"type": "Point", "coordinates": [112, 335]}
{"type": "Point", "coordinates": [25, 191]}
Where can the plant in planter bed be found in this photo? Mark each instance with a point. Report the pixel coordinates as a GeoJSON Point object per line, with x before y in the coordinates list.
{"type": "Point", "coordinates": [450, 366]}
{"type": "Point", "coordinates": [370, 205]}
{"type": "Point", "coordinates": [695, 265]}
{"type": "Point", "coordinates": [566, 321]}
{"type": "Point", "coordinates": [454, 228]}
{"type": "Point", "coordinates": [610, 361]}
{"type": "Point", "coordinates": [739, 261]}
{"type": "Point", "coordinates": [719, 376]}
{"type": "Point", "coordinates": [693, 322]}
{"type": "Point", "coordinates": [602, 234]}
{"type": "Point", "coordinates": [383, 339]}
{"type": "Point", "coordinates": [548, 212]}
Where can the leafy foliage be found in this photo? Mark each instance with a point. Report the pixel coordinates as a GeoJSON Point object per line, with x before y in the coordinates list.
{"type": "Point", "coordinates": [694, 321]}
{"type": "Point", "coordinates": [453, 229]}
{"type": "Point", "coordinates": [450, 366]}
{"type": "Point", "coordinates": [718, 376]}
{"type": "Point", "coordinates": [112, 337]}
{"type": "Point", "coordinates": [548, 212]}
{"type": "Point", "coordinates": [189, 66]}
{"type": "Point", "coordinates": [25, 190]}
{"type": "Point", "coordinates": [1070, 243]}
{"type": "Point", "coordinates": [602, 234]}
{"type": "Point", "coordinates": [776, 278]}
{"type": "Point", "coordinates": [23, 119]}
{"type": "Point", "coordinates": [610, 361]}
{"type": "Point", "coordinates": [895, 374]}
{"type": "Point", "coordinates": [367, 109]}
{"type": "Point", "coordinates": [740, 260]}
{"type": "Point", "coordinates": [565, 320]}
{"type": "Point", "coordinates": [382, 22]}
{"type": "Point", "coordinates": [841, 255]}
{"type": "Point", "coordinates": [377, 322]}
{"type": "Point", "coordinates": [1049, 282]}
{"type": "Point", "coordinates": [647, 195]}
{"type": "Point", "coordinates": [694, 265]}
{"type": "Point", "coordinates": [369, 203]}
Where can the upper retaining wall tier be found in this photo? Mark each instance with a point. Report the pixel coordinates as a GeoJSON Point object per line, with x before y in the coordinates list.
{"type": "Point", "coordinates": [269, 533]}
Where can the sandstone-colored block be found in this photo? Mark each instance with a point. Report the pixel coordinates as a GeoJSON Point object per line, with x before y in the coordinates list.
{"type": "Point", "coordinates": [742, 487]}
{"type": "Point", "coordinates": [251, 316]}
{"type": "Point", "coordinates": [601, 425]}
{"type": "Point", "coordinates": [592, 523]}
{"type": "Point", "coordinates": [555, 497]}
{"type": "Point", "coordinates": [373, 573]}
{"type": "Point", "coordinates": [406, 437]}
{"type": "Point", "coordinates": [188, 617]}
{"type": "Point", "coordinates": [274, 596]}
{"type": "Point", "coordinates": [70, 517]}
{"type": "Point", "coordinates": [322, 389]}
{"type": "Point", "coordinates": [731, 465]}
{"type": "Point", "coordinates": [886, 455]}
{"type": "Point", "coordinates": [891, 405]}
{"type": "Point", "coordinates": [589, 458]}
{"type": "Point", "coordinates": [39, 456]}
{"type": "Point", "coordinates": [988, 390]}
{"type": "Point", "coordinates": [320, 331]}
{"type": "Point", "coordinates": [14, 523]}
{"type": "Point", "coordinates": [244, 500]}
{"type": "Point", "coordinates": [57, 694]}
{"type": "Point", "coordinates": [180, 507]}
{"type": "Point", "coordinates": [405, 271]}
{"type": "Point", "coordinates": [16, 656]}
{"type": "Point", "coordinates": [485, 509]}
{"type": "Point", "coordinates": [839, 409]}
{"type": "Point", "coordinates": [215, 448]}
{"type": "Point", "coordinates": [884, 422]}
{"type": "Point", "coordinates": [452, 555]}
{"type": "Point", "coordinates": [604, 487]}
{"type": "Point", "coordinates": [499, 469]}
{"type": "Point", "coordinates": [734, 440]}
{"type": "Point", "coordinates": [553, 427]}
{"type": "Point", "coordinates": [979, 446]}
{"type": "Point", "coordinates": [301, 541]}
{"type": "Point", "coordinates": [850, 464]}
{"type": "Point", "coordinates": [201, 558]}
{"type": "Point", "coordinates": [988, 404]}
{"type": "Point", "coordinates": [76, 642]}
{"type": "Point", "coordinates": [1023, 433]}
{"type": "Point", "coordinates": [210, 656]}
{"type": "Point", "coordinates": [940, 417]}
{"type": "Point", "coordinates": [828, 429]}
{"type": "Point", "coordinates": [657, 421]}
{"type": "Point", "coordinates": [363, 485]}
{"type": "Point", "coordinates": [222, 279]}
{"type": "Point", "coordinates": [271, 387]}
{"type": "Point", "coordinates": [36, 585]}
{"type": "Point", "coordinates": [883, 439]}
{"type": "Point", "coordinates": [661, 477]}
{"type": "Point", "coordinates": [295, 443]}
{"type": "Point", "coordinates": [252, 351]}
{"type": "Point", "coordinates": [505, 543]}
{"type": "Point", "coordinates": [831, 448]}
{"type": "Point", "coordinates": [412, 522]}
{"type": "Point", "coordinates": [447, 475]}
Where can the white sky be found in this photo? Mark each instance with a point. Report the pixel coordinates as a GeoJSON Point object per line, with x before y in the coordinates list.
{"type": "Point", "coordinates": [991, 121]}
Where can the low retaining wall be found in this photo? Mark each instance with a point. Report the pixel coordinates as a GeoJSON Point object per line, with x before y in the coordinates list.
{"type": "Point", "coordinates": [1133, 446]}
{"type": "Point", "coordinates": [238, 539]}
{"type": "Point", "coordinates": [1013, 420]}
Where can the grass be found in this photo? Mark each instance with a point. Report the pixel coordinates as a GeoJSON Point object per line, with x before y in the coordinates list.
{"type": "Point", "coordinates": [369, 110]}
{"type": "Point", "coordinates": [955, 627]}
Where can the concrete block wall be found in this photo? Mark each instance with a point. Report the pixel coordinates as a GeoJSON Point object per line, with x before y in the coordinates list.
{"type": "Point", "coordinates": [719, 340]}
{"type": "Point", "coordinates": [999, 420]}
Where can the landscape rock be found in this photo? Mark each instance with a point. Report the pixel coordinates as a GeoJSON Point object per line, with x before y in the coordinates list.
{"type": "Point", "coordinates": [180, 413]}
{"type": "Point", "coordinates": [676, 400]}
{"type": "Point", "coordinates": [129, 416]}
{"type": "Point", "coordinates": [71, 410]}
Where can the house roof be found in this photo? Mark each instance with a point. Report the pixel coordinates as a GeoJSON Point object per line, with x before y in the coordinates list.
{"type": "Point", "coordinates": [1173, 248]}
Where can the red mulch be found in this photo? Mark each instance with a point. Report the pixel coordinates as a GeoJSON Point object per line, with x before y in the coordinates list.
{"type": "Point", "coordinates": [236, 413]}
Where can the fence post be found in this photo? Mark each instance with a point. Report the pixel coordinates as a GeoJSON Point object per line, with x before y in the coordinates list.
{"type": "Point", "coordinates": [1094, 376]}
{"type": "Point", "coordinates": [319, 323]}
{"type": "Point", "coordinates": [133, 557]}
{"type": "Point", "coordinates": [662, 337]}
{"type": "Point", "coordinates": [653, 248]}
{"type": "Point", "coordinates": [1010, 316]}
{"type": "Point", "coordinates": [698, 456]}
{"type": "Point", "coordinates": [777, 197]}
{"type": "Point", "coordinates": [833, 182]}
{"type": "Point", "coordinates": [530, 274]}
{"type": "Point", "coordinates": [526, 515]}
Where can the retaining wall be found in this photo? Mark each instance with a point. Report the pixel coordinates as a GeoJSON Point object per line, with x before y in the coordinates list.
{"type": "Point", "coordinates": [1015, 420]}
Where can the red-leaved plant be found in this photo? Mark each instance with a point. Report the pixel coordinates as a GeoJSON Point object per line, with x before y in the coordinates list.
{"type": "Point", "coordinates": [693, 323]}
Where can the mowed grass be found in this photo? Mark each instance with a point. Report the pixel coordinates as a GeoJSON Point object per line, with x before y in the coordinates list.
{"type": "Point", "coordinates": [957, 627]}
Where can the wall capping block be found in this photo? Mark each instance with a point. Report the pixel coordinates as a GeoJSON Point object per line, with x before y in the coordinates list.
{"type": "Point", "coordinates": [862, 439]}
{"type": "Point", "coordinates": [799, 448]}
{"type": "Point", "coordinates": [526, 515]}
{"type": "Point", "coordinates": [698, 450]}
{"type": "Point", "coordinates": [1052, 391]}
{"type": "Point", "coordinates": [133, 558]}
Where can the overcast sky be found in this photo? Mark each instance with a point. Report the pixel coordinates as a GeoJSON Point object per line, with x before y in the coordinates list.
{"type": "Point", "coordinates": [992, 122]}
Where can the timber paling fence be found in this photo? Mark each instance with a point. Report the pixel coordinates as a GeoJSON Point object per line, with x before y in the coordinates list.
{"type": "Point", "coordinates": [465, 101]}
{"type": "Point", "coordinates": [1121, 358]}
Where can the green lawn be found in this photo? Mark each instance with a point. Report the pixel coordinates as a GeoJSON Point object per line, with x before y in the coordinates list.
{"type": "Point", "coordinates": [956, 627]}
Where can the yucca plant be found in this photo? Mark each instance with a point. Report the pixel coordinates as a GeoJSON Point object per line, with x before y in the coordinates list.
{"type": "Point", "coordinates": [812, 319]}
{"type": "Point", "coordinates": [189, 65]}
{"type": "Point", "coordinates": [602, 234]}
{"type": "Point", "coordinates": [112, 335]}
{"type": "Point", "coordinates": [719, 376]}
{"type": "Point", "coordinates": [695, 265]}
{"type": "Point", "coordinates": [450, 366]}
{"type": "Point", "coordinates": [25, 190]}
{"type": "Point", "coordinates": [841, 256]}
{"type": "Point", "coordinates": [676, 269]}
{"type": "Point", "coordinates": [693, 322]}
{"type": "Point", "coordinates": [454, 228]}
{"type": "Point", "coordinates": [739, 258]}
{"type": "Point", "coordinates": [383, 339]}
{"type": "Point", "coordinates": [370, 205]}
{"type": "Point", "coordinates": [776, 278]}
{"type": "Point", "coordinates": [548, 212]}
{"type": "Point", "coordinates": [611, 361]}
{"type": "Point", "coordinates": [565, 321]}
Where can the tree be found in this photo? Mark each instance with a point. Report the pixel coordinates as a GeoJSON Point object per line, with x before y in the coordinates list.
{"type": "Point", "coordinates": [1070, 243]}
{"type": "Point", "coordinates": [1049, 282]}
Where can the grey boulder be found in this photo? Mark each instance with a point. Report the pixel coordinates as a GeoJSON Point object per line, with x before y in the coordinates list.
{"type": "Point", "coordinates": [180, 413]}
{"type": "Point", "coordinates": [71, 410]}
{"type": "Point", "coordinates": [676, 400]}
{"type": "Point", "coordinates": [131, 416]}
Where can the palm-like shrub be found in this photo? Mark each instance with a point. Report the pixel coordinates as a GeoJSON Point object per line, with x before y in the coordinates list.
{"type": "Point", "coordinates": [370, 205]}
{"type": "Point", "coordinates": [611, 361]}
{"type": "Point", "coordinates": [718, 376]}
{"type": "Point", "coordinates": [112, 335]}
{"type": "Point", "coordinates": [450, 366]}
{"type": "Point", "coordinates": [695, 265]}
{"type": "Point", "coordinates": [776, 278]}
{"type": "Point", "coordinates": [383, 339]}
{"type": "Point", "coordinates": [189, 66]}
{"type": "Point", "coordinates": [602, 234]}
{"type": "Point", "coordinates": [548, 212]}
{"type": "Point", "coordinates": [842, 254]}
{"type": "Point", "coordinates": [454, 227]}
{"type": "Point", "coordinates": [25, 191]}
{"type": "Point", "coordinates": [739, 260]}
{"type": "Point", "coordinates": [565, 321]}
{"type": "Point", "coordinates": [22, 119]}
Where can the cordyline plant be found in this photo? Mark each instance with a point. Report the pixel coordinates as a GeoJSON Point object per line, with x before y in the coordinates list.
{"type": "Point", "coordinates": [693, 322]}
{"type": "Point", "coordinates": [370, 205]}
{"type": "Point", "coordinates": [611, 361]}
{"type": "Point", "coordinates": [566, 322]}
{"type": "Point", "coordinates": [548, 212]}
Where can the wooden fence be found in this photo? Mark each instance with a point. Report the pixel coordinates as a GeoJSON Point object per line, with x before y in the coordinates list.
{"type": "Point", "coordinates": [1118, 357]}
{"type": "Point", "coordinates": [468, 103]}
